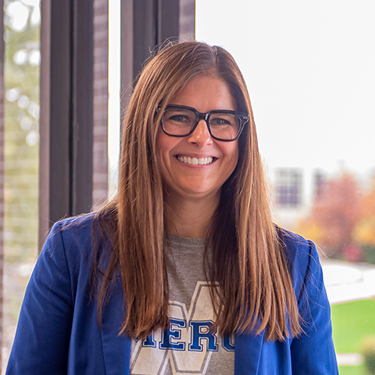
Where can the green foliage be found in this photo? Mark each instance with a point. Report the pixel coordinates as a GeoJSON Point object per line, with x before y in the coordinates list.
{"type": "Point", "coordinates": [368, 351]}
{"type": "Point", "coordinates": [21, 152]}
{"type": "Point", "coordinates": [369, 254]}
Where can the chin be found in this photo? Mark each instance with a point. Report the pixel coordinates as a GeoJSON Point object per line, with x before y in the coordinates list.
{"type": "Point", "coordinates": [199, 193]}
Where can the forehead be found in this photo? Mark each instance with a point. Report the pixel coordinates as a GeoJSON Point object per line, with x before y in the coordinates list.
{"type": "Point", "coordinates": [205, 93]}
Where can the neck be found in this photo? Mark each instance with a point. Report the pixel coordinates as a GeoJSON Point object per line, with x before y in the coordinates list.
{"type": "Point", "coordinates": [190, 217]}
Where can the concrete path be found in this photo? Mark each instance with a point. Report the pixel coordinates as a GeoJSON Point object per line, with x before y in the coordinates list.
{"type": "Point", "coordinates": [347, 282]}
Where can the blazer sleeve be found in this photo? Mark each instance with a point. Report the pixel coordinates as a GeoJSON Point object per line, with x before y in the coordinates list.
{"type": "Point", "coordinates": [313, 352]}
{"type": "Point", "coordinates": [41, 343]}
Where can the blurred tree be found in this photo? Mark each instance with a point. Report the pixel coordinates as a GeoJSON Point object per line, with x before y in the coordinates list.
{"type": "Point", "coordinates": [308, 229]}
{"type": "Point", "coordinates": [364, 232]}
{"type": "Point", "coordinates": [334, 216]}
{"type": "Point", "coordinates": [22, 60]}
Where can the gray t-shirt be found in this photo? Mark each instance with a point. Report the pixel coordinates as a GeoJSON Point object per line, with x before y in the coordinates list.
{"type": "Point", "coordinates": [188, 347]}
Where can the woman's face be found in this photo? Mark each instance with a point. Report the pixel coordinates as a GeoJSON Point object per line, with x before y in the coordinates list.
{"type": "Point", "coordinates": [198, 165]}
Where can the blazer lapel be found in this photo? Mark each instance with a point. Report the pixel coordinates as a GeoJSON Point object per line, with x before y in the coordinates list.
{"type": "Point", "coordinates": [247, 353]}
{"type": "Point", "coordinates": [116, 348]}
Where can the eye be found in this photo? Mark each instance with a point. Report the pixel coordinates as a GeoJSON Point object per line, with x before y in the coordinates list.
{"type": "Point", "coordinates": [219, 121]}
{"type": "Point", "coordinates": [222, 119]}
{"type": "Point", "coordinates": [178, 118]}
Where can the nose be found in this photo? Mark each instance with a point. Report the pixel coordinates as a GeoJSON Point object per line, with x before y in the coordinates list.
{"type": "Point", "coordinates": [200, 136]}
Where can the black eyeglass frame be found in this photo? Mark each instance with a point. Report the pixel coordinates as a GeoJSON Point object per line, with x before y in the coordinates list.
{"type": "Point", "coordinates": [244, 119]}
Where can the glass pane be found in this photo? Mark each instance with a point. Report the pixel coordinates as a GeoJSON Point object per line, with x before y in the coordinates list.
{"type": "Point", "coordinates": [114, 93]}
{"type": "Point", "coordinates": [309, 70]}
{"type": "Point", "coordinates": [21, 71]}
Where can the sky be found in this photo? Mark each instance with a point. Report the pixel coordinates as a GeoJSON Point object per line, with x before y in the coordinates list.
{"type": "Point", "coordinates": [309, 67]}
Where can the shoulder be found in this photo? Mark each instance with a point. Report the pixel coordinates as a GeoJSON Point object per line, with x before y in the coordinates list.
{"type": "Point", "coordinates": [295, 245]}
{"type": "Point", "coordinates": [72, 232]}
{"type": "Point", "coordinates": [73, 225]}
{"type": "Point", "coordinates": [303, 261]}
{"type": "Point", "coordinates": [69, 242]}
{"type": "Point", "coordinates": [298, 250]}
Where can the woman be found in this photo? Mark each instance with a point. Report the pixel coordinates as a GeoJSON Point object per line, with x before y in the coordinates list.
{"type": "Point", "coordinates": [184, 272]}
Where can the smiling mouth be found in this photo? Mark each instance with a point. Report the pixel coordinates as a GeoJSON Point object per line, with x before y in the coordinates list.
{"type": "Point", "coordinates": [195, 161]}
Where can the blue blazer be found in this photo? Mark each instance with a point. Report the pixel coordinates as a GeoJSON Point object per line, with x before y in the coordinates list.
{"type": "Point", "coordinates": [58, 331]}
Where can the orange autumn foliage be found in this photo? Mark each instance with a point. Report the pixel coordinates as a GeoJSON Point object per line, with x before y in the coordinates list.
{"type": "Point", "coordinates": [364, 232]}
{"type": "Point", "coordinates": [335, 214]}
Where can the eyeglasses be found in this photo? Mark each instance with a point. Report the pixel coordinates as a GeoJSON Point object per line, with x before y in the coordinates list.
{"type": "Point", "coordinates": [223, 125]}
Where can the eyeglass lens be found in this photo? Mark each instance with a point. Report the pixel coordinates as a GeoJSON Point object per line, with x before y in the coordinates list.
{"type": "Point", "coordinates": [180, 121]}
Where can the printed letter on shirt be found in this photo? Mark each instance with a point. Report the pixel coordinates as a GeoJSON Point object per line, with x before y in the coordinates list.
{"type": "Point", "coordinates": [187, 345]}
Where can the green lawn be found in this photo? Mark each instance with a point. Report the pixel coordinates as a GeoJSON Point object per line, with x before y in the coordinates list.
{"type": "Point", "coordinates": [352, 323]}
{"type": "Point", "coordinates": [353, 370]}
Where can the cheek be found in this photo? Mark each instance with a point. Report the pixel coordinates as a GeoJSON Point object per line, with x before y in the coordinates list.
{"type": "Point", "coordinates": [159, 142]}
{"type": "Point", "coordinates": [164, 147]}
{"type": "Point", "coordinates": [232, 152]}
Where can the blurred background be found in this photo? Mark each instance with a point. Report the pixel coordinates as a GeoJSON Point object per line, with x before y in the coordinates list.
{"type": "Point", "coordinates": [308, 66]}
{"type": "Point", "coordinates": [309, 70]}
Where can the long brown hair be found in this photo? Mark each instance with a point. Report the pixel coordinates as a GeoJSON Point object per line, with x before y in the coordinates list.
{"type": "Point", "coordinates": [251, 284]}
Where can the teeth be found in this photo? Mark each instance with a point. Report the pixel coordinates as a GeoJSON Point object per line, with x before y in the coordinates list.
{"type": "Point", "coordinates": [195, 161]}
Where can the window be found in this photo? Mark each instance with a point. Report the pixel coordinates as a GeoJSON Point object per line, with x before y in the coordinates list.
{"type": "Point", "coordinates": [288, 187]}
